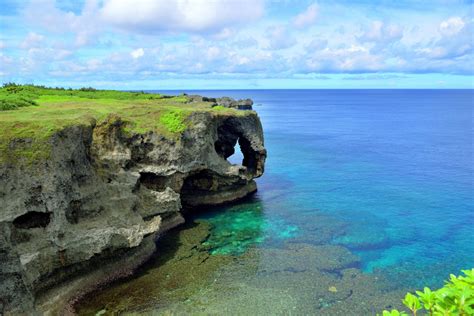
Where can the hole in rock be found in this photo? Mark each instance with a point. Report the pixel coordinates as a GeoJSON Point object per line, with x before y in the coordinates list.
{"type": "Point", "coordinates": [152, 181]}
{"type": "Point", "coordinates": [200, 181]}
{"type": "Point", "coordinates": [226, 142]}
{"type": "Point", "coordinates": [237, 157]}
{"type": "Point", "coordinates": [231, 143]}
{"type": "Point", "coordinates": [32, 220]}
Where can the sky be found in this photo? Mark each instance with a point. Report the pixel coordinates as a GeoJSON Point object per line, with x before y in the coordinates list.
{"type": "Point", "coordinates": [237, 44]}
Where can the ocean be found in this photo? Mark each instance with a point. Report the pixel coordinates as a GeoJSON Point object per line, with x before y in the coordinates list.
{"type": "Point", "coordinates": [366, 194]}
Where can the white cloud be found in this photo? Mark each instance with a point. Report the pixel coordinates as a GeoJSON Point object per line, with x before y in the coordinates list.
{"type": "Point", "coordinates": [279, 38]}
{"type": "Point", "coordinates": [455, 41]}
{"type": "Point", "coordinates": [2, 45]}
{"type": "Point", "coordinates": [317, 44]}
{"type": "Point", "coordinates": [85, 25]}
{"type": "Point", "coordinates": [307, 17]}
{"type": "Point", "coordinates": [32, 40]}
{"type": "Point", "coordinates": [382, 32]}
{"type": "Point", "coordinates": [222, 41]}
{"type": "Point", "coordinates": [245, 42]}
{"type": "Point", "coordinates": [435, 52]}
{"type": "Point", "coordinates": [451, 26]}
{"type": "Point", "coordinates": [93, 64]}
{"type": "Point", "coordinates": [213, 53]}
{"type": "Point", "coordinates": [5, 60]}
{"type": "Point", "coordinates": [137, 53]}
{"type": "Point", "coordinates": [224, 34]}
{"type": "Point", "coordinates": [180, 15]}
{"type": "Point", "coordinates": [323, 57]}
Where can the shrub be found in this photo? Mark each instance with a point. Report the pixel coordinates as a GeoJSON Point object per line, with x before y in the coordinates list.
{"type": "Point", "coordinates": [456, 297]}
{"type": "Point", "coordinates": [219, 107]}
{"type": "Point", "coordinates": [13, 101]}
{"type": "Point", "coordinates": [173, 121]}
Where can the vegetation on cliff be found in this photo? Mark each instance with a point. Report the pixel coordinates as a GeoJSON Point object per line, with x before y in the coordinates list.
{"type": "Point", "coordinates": [456, 297]}
{"type": "Point", "coordinates": [13, 96]}
{"type": "Point", "coordinates": [30, 115]}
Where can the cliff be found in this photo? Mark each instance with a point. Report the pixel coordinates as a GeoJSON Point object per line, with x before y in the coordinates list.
{"type": "Point", "coordinates": [87, 187]}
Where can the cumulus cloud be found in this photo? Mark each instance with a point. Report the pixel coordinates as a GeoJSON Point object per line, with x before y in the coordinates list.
{"type": "Point", "coordinates": [279, 37]}
{"type": "Point", "coordinates": [455, 40]}
{"type": "Point", "coordinates": [40, 55]}
{"type": "Point", "coordinates": [84, 25]}
{"type": "Point", "coordinates": [213, 53]}
{"type": "Point", "coordinates": [180, 15]}
{"type": "Point", "coordinates": [221, 41]}
{"type": "Point", "coordinates": [307, 17]}
{"type": "Point", "coordinates": [37, 60]}
{"type": "Point", "coordinates": [317, 44]}
{"type": "Point", "coordinates": [349, 59]}
{"type": "Point", "coordinates": [381, 32]}
{"type": "Point", "coordinates": [245, 42]}
{"type": "Point", "coordinates": [32, 40]}
{"type": "Point", "coordinates": [224, 34]}
{"type": "Point", "coordinates": [451, 26]}
{"type": "Point", "coordinates": [137, 53]}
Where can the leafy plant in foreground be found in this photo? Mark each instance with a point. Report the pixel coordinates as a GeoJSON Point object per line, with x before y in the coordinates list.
{"type": "Point", "coordinates": [456, 297]}
{"type": "Point", "coordinates": [412, 302]}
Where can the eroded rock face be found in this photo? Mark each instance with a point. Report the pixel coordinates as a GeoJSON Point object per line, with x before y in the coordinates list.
{"type": "Point", "coordinates": [105, 196]}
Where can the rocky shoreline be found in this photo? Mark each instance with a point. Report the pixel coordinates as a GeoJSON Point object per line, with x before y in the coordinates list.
{"type": "Point", "coordinates": [290, 278]}
{"type": "Point", "coordinates": [92, 212]}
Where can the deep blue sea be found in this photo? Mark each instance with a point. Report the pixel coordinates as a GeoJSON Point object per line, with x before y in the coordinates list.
{"type": "Point", "coordinates": [386, 174]}
{"type": "Point", "coordinates": [396, 166]}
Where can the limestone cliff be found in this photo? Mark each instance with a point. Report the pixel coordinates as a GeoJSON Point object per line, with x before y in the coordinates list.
{"type": "Point", "coordinates": [92, 211]}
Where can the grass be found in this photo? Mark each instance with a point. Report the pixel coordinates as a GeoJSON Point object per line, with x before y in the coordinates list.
{"type": "Point", "coordinates": [174, 121]}
{"type": "Point", "coordinates": [37, 113]}
{"type": "Point", "coordinates": [14, 96]}
{"type": "Point", "coordinates": [219, 108]}
{"type": "Point", "coordinates": [11, 102]}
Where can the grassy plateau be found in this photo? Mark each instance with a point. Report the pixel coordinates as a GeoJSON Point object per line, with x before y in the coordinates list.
{"type": "Point", "coordinates": [30, 115]}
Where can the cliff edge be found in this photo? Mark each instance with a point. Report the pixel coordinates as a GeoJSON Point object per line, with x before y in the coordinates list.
{"type": "Point", "coordinates": [85, 194]}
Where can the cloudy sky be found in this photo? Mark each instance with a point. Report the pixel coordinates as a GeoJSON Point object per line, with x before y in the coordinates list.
{"type": "Point", "coordinates": [240, 44]}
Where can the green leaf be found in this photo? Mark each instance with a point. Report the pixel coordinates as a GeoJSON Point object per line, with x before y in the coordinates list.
{"type": "Point", "coordinates": [393, 312]}
{"type": "Point", "coordinates": [456, 297]}
{"type": "Point", "coordinates": [412, 302]}
{"type": "Point", "coordinates": [427, 297]}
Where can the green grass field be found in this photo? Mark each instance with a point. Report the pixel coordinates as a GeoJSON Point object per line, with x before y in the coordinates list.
{"type": "Point", "coordinates": [30, 115]}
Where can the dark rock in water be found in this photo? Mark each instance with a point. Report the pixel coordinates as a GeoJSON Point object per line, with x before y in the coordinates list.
{"type": "Point", "coordinates": [91, 212]}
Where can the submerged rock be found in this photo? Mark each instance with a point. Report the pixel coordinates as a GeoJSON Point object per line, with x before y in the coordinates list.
{"type": "Point", "coordinates": [91, 212]}
{"type": "Point", "coordinates": [301, 279]}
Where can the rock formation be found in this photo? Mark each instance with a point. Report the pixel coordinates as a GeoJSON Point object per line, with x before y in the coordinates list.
{"type": "Point", "coordinates": [93, 210]}
{"type": "Point", "coordinates": [243, 104]}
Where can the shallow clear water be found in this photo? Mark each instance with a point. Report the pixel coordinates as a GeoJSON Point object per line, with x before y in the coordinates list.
{"type": "Point", "coordinates": [387, 174]}
{"type": "Point", "coordinates": [395, 166]}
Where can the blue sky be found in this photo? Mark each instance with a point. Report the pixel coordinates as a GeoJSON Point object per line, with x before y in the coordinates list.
{"type": "Point", "coordinates": [237, 44]}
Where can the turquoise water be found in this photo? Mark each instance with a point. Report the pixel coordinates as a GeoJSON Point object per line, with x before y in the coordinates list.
{"type": "Point", "coordinates": [366, 194]}
{"type": "Point", "coordinates": [390, 171]}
